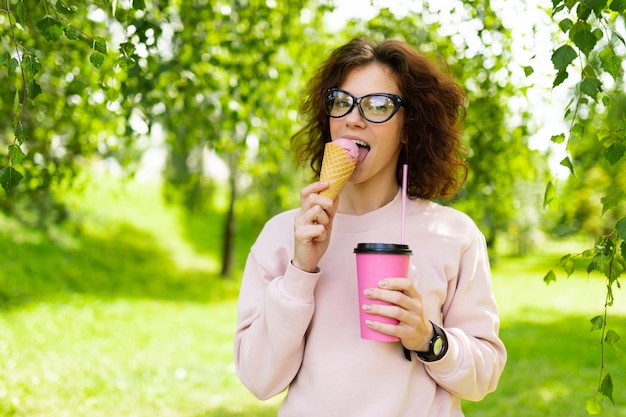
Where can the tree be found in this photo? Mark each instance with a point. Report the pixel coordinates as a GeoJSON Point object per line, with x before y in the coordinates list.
{"type": "Point", "coordinates": [95, 81]}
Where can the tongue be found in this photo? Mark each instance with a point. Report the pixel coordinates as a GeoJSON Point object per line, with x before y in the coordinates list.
{"type": "Point", "coordinates": [363, 151]}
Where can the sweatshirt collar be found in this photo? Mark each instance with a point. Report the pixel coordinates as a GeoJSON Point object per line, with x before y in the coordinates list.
{"type": "Point", "coordinates": [367, 221]}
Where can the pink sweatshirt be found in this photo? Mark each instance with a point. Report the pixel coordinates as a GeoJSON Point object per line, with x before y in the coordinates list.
{"type": "Point", "coordinates": [300, 330]}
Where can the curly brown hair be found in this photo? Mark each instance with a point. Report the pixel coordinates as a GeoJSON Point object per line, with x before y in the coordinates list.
{"type": "Point", "coordinates": [434, 108]}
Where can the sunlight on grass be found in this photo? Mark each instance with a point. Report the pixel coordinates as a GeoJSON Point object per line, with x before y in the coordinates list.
{"type": "Point", "coordinates": [88, 357]}
{"type": "Point", "coordinates": [110, 200]}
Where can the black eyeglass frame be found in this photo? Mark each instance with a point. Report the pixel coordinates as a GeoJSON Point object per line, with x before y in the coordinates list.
{"type": "Point", "coordinates": [356, 101]}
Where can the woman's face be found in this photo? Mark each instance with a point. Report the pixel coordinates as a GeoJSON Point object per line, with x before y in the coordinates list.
{"type": "Point", "coordinates": [382, 140]}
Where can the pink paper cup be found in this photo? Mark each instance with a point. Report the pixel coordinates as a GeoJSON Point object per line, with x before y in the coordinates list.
{"type": "Point", "coordinates": [375, 262]}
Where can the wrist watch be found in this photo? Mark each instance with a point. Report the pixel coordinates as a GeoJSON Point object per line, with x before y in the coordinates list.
{"type": "Point", "coordinates": [437, 347]}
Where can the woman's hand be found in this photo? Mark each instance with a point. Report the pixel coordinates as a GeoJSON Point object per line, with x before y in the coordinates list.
{"type": "Point", "coordinates": [312, 226]}
{"type": "Point", "coordinates": [414, 330]}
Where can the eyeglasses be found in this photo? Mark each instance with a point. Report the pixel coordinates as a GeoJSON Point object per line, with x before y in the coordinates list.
{"type": "Point", "coordinates": [375, 108]}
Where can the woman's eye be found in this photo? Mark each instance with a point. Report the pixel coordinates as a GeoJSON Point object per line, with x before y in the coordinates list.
{"type": "Point", "coordinates": [344, 104]}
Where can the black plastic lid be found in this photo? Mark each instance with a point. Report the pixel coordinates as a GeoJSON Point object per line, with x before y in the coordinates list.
{"type": "Point", "coordinates": [387, 248]}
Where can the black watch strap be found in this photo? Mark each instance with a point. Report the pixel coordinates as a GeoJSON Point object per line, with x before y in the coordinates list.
{"type": "Point", "coordinates": [437, 347]}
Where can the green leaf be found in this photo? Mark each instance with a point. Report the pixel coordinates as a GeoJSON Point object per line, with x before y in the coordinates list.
{"type": "Point", "coordinates": [613, 273]}
{"type": "Point", "coordinates": [22, 133]}
{"type": "Point", "coordinates": [560, 77]}
{"type": "Point", "coordinates": [15, 154]}
{"type": "Point", "coordinates": [5, 58]}
{"type": "Point", "coordinates": [611, 337]}
{"type": "Point", "coordinates": [606, 387]}
{"type": "Point", "coordinates": [621, 228]}
{"type": "Point", "coordinates": [593, 406]}
{"type": "Point", "coordinates": [550, 277]}
{"type": "Point", "coordinates": [17, 108]}
{"type": "Point", "coordinates": [566, 162]}
{"type": "Point", "coordinates": [96, 59]}
{"type": "Point", "coordinates": [591, 87]}
{"type": "Point", "coordinates": [613, 199]}
{"type": "Point", "coordinates": [618, 6]}
{"type": "Point", "coordinates": [596, 5]}
{"type": "Point", "coordinates": [12, 66]}
{"type": "Point", "coordinates": [597, 32]}
{"type": "Point", "coordinates": [50, 28]}
{"type": "Point", "coordinates": [589, 72]}
{"type": "Point", "coordinates": [32, 89]}
{"type": "Point", "coordinates": [566, 24]}
{"type": "Point", "coordinates": [600, 263]}
{"type": "Point", "coordinates": [549, 195]}
{"type": "Point", "coordinates": [582, 37]}
{"type": "Point", "coordinates": [563, 56]}
{"type": "Point", "coordinates": [583, 12]}
{"type": "Point", "coordinates": [596, 323]}
{"type": "Point", "coordinates": [31, 66]}
{"type": "Point", "coordinates": [557, 9]}
{"type": "Point", "coordinates": [528, 70]}
{"type": "Point", "coordinates": [71, 33]}
{"type": "Point", "coordinates": [127, 48]}
{"type": "Point", "coordinates": [19, 13]}
{"type": "Point", "coordinates": [9, 178]}
{"type": "Point", "coordinates": [99, 45]}
{"type": "Point", "coordinates": [125, 63]}
{"type": "Point", "coordinates": [614, 153]}
{"type": "Point", "coordinates": [139, 4]}
{"type": "Point", "coordinates": [610, 62]}
{"type": "Point", "coordinates": [560, 138]}
{"type": "Point", "coordinates": [578, 131]}
{"type": "Point", "coordinates": [568, 264]}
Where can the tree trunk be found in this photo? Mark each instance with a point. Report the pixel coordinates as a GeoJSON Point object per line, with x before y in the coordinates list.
{"type": "Point", "coordinates": [229, 227]}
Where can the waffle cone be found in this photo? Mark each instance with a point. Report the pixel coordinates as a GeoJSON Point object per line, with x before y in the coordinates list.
{"type": "Point", "coordinates": [336, 169]}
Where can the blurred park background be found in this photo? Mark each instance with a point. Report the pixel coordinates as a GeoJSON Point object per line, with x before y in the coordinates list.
{"type": "Point", "coordinates": [143, 144]}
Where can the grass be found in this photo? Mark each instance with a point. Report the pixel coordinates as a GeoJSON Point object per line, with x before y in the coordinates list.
{"type": "Point", "coordinates": [123, 315]}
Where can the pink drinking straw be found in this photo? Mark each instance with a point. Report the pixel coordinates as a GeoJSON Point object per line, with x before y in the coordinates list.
{"type": "Point", "coordinates": [405, 169]}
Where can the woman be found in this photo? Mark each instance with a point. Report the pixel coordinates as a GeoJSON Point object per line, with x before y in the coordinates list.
{"type": "Point", "coordinates": [298, 326]}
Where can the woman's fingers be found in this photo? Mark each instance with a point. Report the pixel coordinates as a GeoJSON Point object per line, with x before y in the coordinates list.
{"type": "Point", "coordinates": [312, 226]}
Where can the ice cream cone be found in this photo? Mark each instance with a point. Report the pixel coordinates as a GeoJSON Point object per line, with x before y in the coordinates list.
{"type": "Point", "coordinates": [337, 167]}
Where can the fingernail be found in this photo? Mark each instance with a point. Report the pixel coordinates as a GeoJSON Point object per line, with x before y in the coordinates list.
{"type": "Point", "coordinates": [369, 323]}
{"type": "Point", "coordinates": [382, 283]}
{"type": "Point", "coordinates": [368, 292]}
{"type": "Point", "coordinates": [367, 307]}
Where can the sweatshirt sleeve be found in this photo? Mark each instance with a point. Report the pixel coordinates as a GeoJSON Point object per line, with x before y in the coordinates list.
{"type": "Point", "coordinates": [276, 305]}
{"type": "Point", "coordinates": [476, 356]}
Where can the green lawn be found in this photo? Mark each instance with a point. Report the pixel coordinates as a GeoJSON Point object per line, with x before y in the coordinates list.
{"type": "Point", "coordinates": [124, 316]}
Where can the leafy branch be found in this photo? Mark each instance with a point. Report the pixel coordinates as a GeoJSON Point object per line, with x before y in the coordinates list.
{"type": "Point", "coordinates": [9, 176]}
{"type": "Point", "coordinates": [590, 24]}
{"type": "Point", "coordinates": [52, 27]}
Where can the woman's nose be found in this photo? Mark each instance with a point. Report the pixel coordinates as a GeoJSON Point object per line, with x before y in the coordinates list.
{"type": "Point", "coordinates": [354, 118]}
